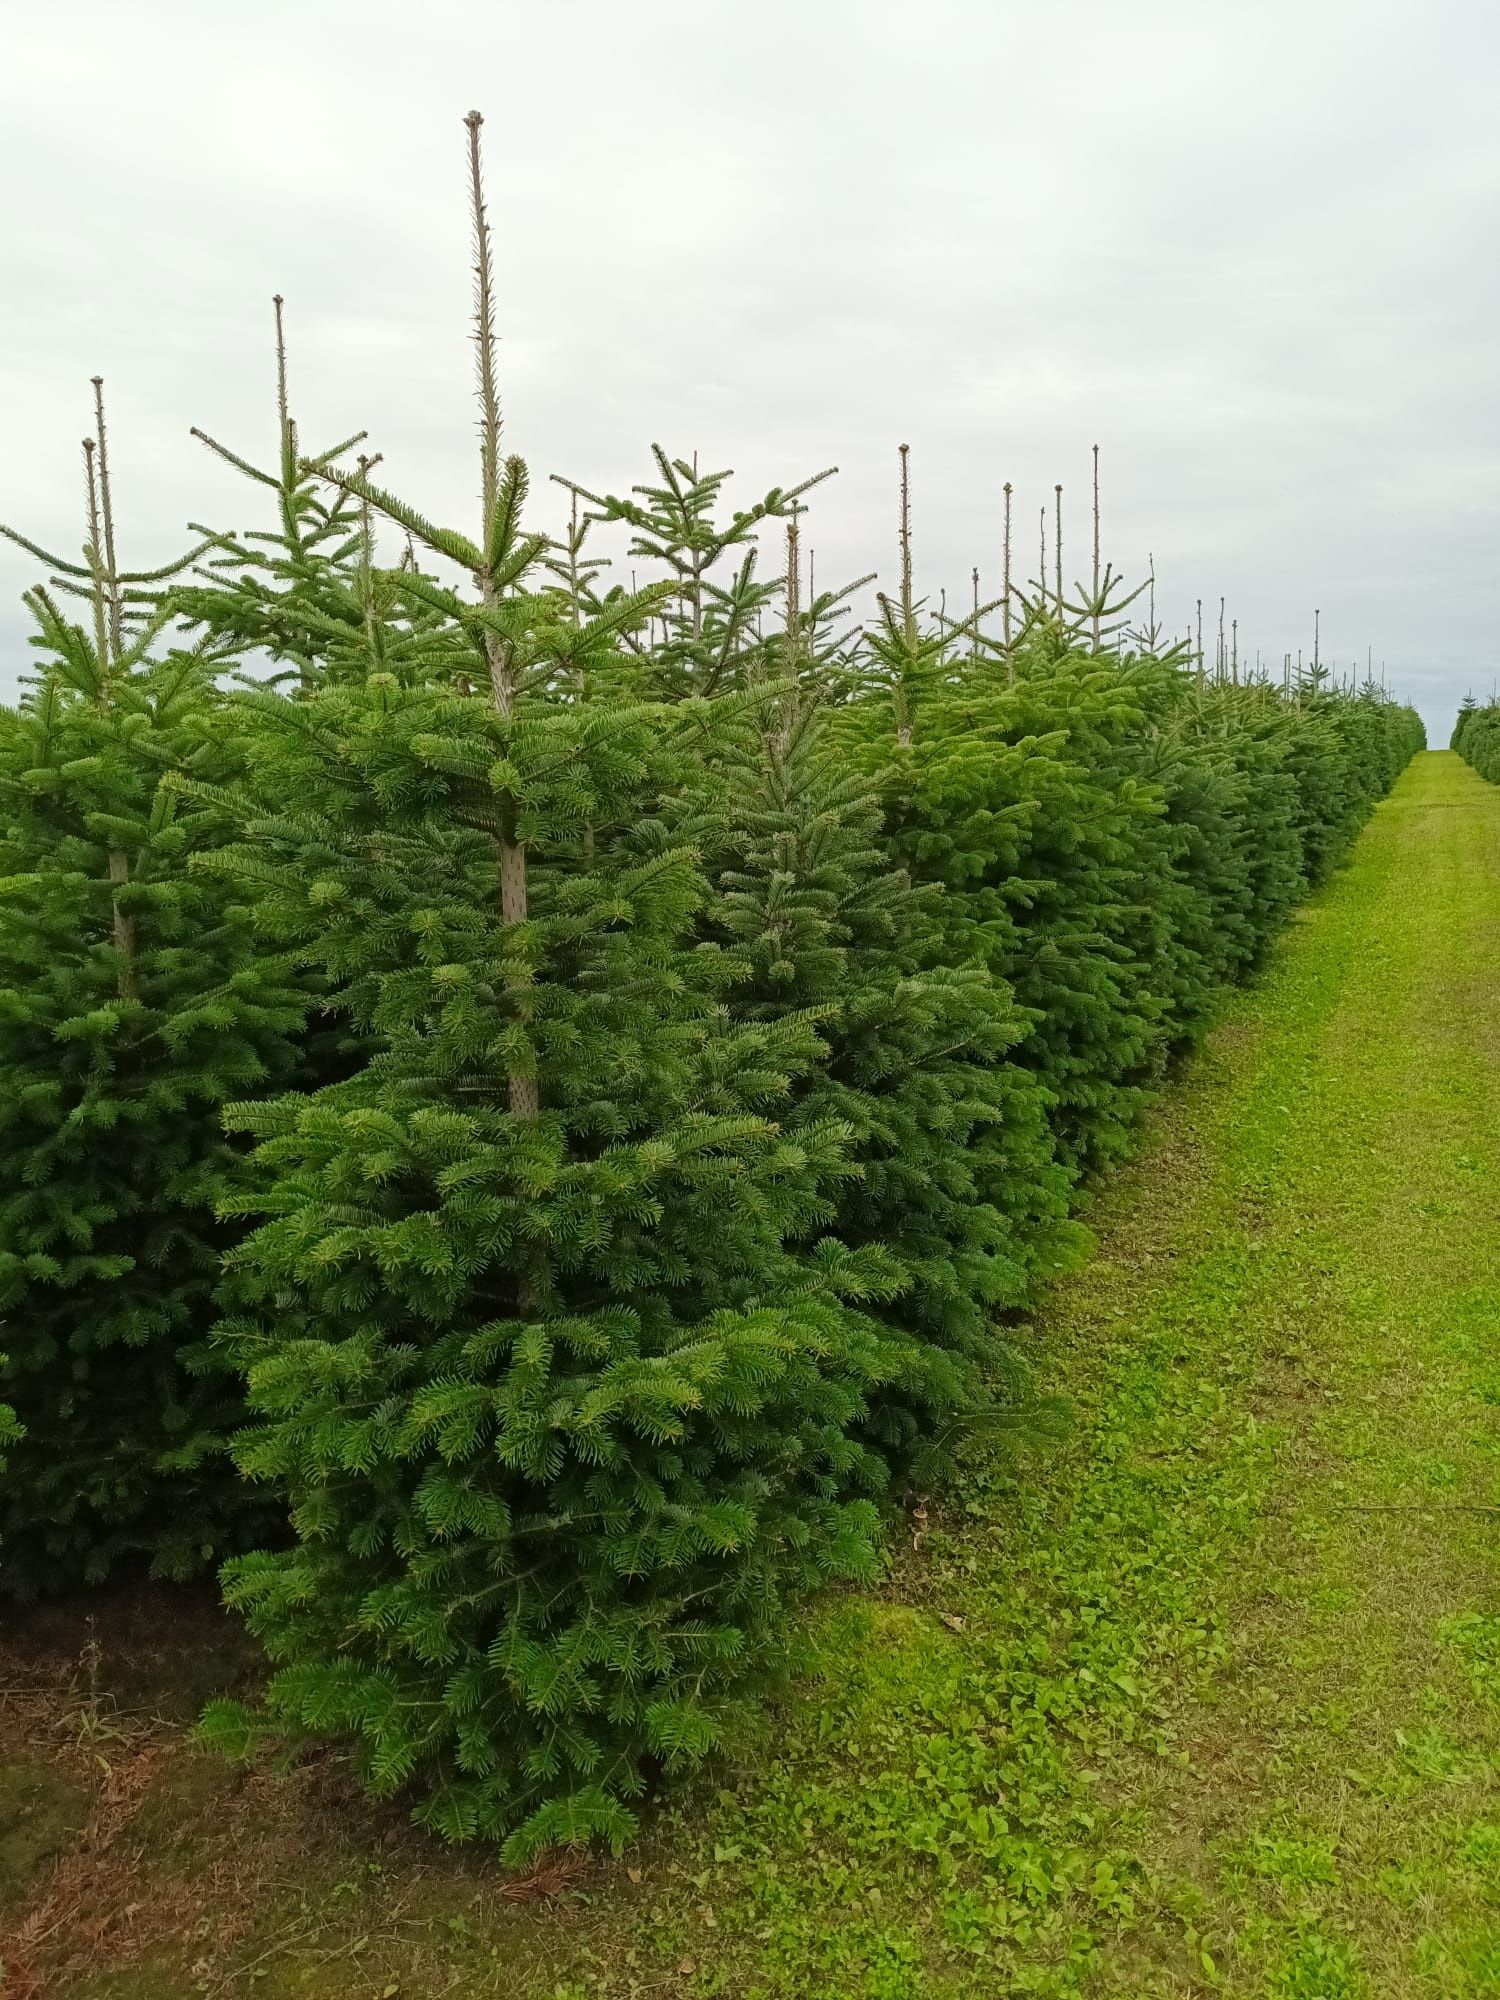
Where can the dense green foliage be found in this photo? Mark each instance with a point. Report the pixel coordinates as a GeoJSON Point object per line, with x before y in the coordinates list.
{"type": "Point", "coordinates": [1476, 738]}
{"type": "Point", "coordinates": [596, 1314]}
{"type": "Point", "coordinates": [10, 1429]}
{"type": "Point", "coordinates": [1116, 841]}
{"type": "Point", "coordinates": [133, 1003]}
{"type": "Point", "coordinates": [732, 1001]}
{"type": "Point", "coordinates": [956, 1181]}
{"type": "Point", "coordinates": [955, 1177]}
{"type": "Point", "coordinates": [559, 1413]}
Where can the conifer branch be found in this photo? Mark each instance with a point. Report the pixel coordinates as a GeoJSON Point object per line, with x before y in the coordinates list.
{"type": "Point", "coordinates": [44, 555]}
{"type": "Point", "coordinates": [233, 458]}
{"type": "Point", "coordinates": [446, 542]}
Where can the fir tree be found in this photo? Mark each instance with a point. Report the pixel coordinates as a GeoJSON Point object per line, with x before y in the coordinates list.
{"type": "Point", "coordinates": [726, 1004]}
{"type": "Point", "coordinates": [997, 793]}
{"type": "Point", "coordinates": [955, 1180]}
{"type": "Point", "coordinates": [543, 1350]}
{"type": "Point", "coordinates": [1114, 840]}
{"type": "Point", "coordinates": [706, 635]}
{"type": "Point", "coordinates": [1217, 760]}
{"type": "Point", "coordinates": [133, 1002]}
{"type": "Point", "coordinates": [301, 589]}
{"type": "Point", "coordinates": [1476, 737]}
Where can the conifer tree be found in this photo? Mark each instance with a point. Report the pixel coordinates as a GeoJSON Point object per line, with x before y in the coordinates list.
{"type": "Point", "coordinates": [726, 1004]}
{"type": "Point", "coordinates": [706, 632]}
{"type": "Point", "coordinates": [1217, 759]}
{"type": "Point", "coordinates": [542, 1345]}
{"type": "Point", "coordinates": [1114, 842]}
{"type": "Point", "coordinates": [993, 794]}
{"type": "Point", "coordinates": [955, 1180]}
{"type": "Point", "coordinates": [1476, 737]}
{"type": "Point", "coordinates": [1042, 846]}
{"type": "Point", "coordinates": [302, 589]}
{"type": "Point", "coordinates": [133, 1002]}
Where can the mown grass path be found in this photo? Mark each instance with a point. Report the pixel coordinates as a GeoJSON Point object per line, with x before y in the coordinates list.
{"type": "Point", "coordinates": [1203, 1698]}
{"type": "Point", "coordinates": [1208, 1699]}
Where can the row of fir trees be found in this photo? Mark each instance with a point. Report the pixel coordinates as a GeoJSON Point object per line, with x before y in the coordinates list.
{"type": "Point", "coordinates": [528, 1106]}
{"type": "Point", "coordinates": [1476, 737]}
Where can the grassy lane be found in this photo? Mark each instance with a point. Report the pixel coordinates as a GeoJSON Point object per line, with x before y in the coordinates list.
{"type": "Point", "coordinates": [1203, 1697]}
{"type": "Point", "coordinates": [1210, 1702]}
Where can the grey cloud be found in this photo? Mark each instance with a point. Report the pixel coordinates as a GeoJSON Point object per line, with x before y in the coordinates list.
{"type": "Point", "coordinates": [1247, 248]}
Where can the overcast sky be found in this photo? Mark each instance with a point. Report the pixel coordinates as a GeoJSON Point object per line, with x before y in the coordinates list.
{"type": "Point", "coordinates": [1248, 249]}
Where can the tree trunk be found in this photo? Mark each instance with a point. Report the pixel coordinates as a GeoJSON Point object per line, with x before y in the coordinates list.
{"type": "Point", "coordinates": [119, 872]}
{"type": "Point", "coordinates": [525, 1099]}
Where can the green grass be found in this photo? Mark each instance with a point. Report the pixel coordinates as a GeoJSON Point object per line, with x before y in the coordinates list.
{"type": "Point", "coordinates": [1202, 1698]}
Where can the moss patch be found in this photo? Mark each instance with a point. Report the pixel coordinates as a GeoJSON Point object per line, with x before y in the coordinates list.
{"type": "Point", "coordinates": [40, 1814]}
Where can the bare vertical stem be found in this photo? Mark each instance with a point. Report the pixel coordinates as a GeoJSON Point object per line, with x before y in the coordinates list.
{"type": "Point", "coordinates": [96, 566]}
{"type": "Point", "coordinates": [367, 558]}
{"type": "Point", "coordinates": [575, 591]}
{"type": "Point", "coordinates": [124, 925]}
{"type": "Point", "coordinates": [108, 638]}
{"type": "Point", "coordinates": [283, 407]}
{"type": "Point", "coordinates": [1234, 652]}
{"type": "Point", "coordinates": [1010, 664]}
{"type": "Point", "coordinates": [484, 332]}
{"type": "Point", "coordinates": [1096, 548]}
{"type": "Point", "coordinates": [1058, 551]}
{"type": "Point", "coordinates": [697, 571]}
{"type": "Point", "coordinates": [974, 634]}
{"type": "Point", "coordinates": [1199, 647]}
{"type": "Point", "coordinates": [900, 692]}
{"type": "Point", "coordinates": [793, 594]}
{"type": "Point", "coordinates": [573, 583]}
{"type": "Point", "coordinates": [789, 702]}
{"type": "Point", "coordinates": [1043, 592]}
{"type": "Point", "coordinates": [524, 1097]}
{"type": "Point", "coordinates": [107, 512]}
{"type": "Point", "coordinates": [286, 445]}
{"type": "Point", "coordinates": [908, 618]}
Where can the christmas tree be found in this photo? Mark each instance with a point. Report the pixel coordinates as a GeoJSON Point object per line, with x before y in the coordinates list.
{"type": "Point", "coordinates": [955, 1182]}
{"type": "Point", "coordinates": [543, 1346]}
{"type": "Point", "coordinates": [133, 1002]}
